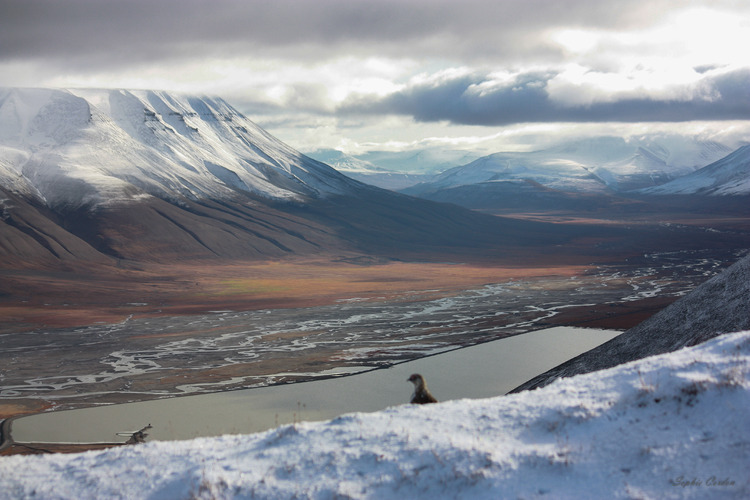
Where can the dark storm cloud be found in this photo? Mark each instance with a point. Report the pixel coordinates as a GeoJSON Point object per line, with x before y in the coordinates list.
{"type": "Point", "coordinates": [170, 42]}
{"type": "Point", "coordinates": [101, 32]}
{"type": "Point", "coordinates": [469, 100]}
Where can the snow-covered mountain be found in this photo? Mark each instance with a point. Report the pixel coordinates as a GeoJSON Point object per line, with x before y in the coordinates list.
{"type": "Point", "coordinates": [91, 175]}
{"type": "Point", "coordinates": [595, 166]}
{"type": "Point", "coordinates": [627, 164]}
{"type": "Point", "coordinates": [423, 161]}
{"type": "Point", "coordinates": [670, 426]}
{"type": "Point", "coordinates": [367, 172]}
{"type": "Point", "coordinates": [395, 170]}
{"type": "Point", "coordinates": [556, 173]}
{"type": "Point", "coordinates": [720, 305]}
{"type": "Point", "coordinates": [92, 147]}
{"type": "Point", "coordinates": [729, 176]}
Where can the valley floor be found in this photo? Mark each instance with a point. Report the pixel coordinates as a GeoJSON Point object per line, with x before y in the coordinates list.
{"type": "Point", "coordinates": [199, 329]}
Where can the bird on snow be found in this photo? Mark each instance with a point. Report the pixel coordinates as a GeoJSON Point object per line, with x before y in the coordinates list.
{"type": "Point", "coordinates": [421, 395]}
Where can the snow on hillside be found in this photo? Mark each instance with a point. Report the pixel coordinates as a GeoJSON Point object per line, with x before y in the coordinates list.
{"type": "Point", "coordinates": [669, 426]}
{"type": "Point", "coordinates": [365, 171]}
{"type": "Point", "coordinates": [556, 173]}
{"type": "Point", "coordinates": [78, 147]}
{"type": "Point", "coordinates": [393, 170]}
{"type": "Point", "coordinates": [588, 165]}
{"type": "Point", "coordinates": [728, 176]}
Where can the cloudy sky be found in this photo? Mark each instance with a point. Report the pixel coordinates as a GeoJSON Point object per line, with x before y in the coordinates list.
{"type": "Point", "coordinates": [357, 75]}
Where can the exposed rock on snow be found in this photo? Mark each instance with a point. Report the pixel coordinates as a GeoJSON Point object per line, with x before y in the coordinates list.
{"type": "Point", "coordinates": [670, 426]}
{"type": "Point", "coordinates": [720, 305]}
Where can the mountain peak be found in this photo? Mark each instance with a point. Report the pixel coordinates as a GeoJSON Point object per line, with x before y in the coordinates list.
{"type": "Point", "coordinates": [96, 146]}
{"type": "Point", "coordinates": [727, 176]}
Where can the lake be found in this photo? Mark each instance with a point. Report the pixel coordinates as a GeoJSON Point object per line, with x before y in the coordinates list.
{"type": "Point", "coordinates": [480, 371]}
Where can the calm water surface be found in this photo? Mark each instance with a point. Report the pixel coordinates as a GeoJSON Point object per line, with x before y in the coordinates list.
{"type": "Point", "coordinates": [480, 371]}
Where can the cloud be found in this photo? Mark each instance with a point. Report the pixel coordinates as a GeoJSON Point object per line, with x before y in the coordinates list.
{"type": "Point", "coordinates": [539, 96]}
{"type": "Point", "coordinates": [369, 68]}
{"type": "Point", "coordinates": [97, 33]}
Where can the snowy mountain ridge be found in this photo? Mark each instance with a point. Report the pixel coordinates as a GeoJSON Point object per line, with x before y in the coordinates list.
{"type": "Point", "coordinates": [594, 165]}
{"type": "Point", "coordinates": [394, 170]}
{"type": "Point", "coordinates": [725, 177]}
{"type": "Point", "coordinates": [92, 147]}
{"type": "Point", "coordinates": [669, 426]}
{"type": "Point", "coordinates": [149, 175]}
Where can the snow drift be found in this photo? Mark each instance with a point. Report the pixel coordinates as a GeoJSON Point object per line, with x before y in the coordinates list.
{"type": "Point", "coordinates": [669, 426]}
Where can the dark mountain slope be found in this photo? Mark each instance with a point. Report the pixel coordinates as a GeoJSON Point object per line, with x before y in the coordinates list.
{"type": "Point", "coordinates": [720, 305]}
{"type": "Point", "coordinates": [30, 232]}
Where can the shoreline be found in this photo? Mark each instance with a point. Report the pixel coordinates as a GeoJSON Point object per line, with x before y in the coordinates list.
{"type": "Point", "coordinates": [593, 319]}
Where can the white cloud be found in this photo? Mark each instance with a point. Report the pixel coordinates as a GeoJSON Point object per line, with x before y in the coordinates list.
{"type": "Point", "coordinates": [580, 86]}
{"type": "Point", "coordinates": [295, 65]}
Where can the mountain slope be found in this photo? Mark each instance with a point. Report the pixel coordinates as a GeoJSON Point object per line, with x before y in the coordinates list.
{"type": "Point", "coordinates": [557, 176]}
{"type": "Point", "coordinates": [92, 175]}
{"type": "Point", "coordinates": [729, 176]}
{"type": "Point", "coordinates": [95, 147]}
{"type": "Point", "coordinates": [720, 305]}
{"type": "Point", "coordinates": [29, 233]}
{"type": "Point", "coordinates": [145, 175]}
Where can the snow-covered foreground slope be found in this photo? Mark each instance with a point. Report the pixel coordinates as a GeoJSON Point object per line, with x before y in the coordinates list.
{"type": "Point", "coordinates": [669, 426]}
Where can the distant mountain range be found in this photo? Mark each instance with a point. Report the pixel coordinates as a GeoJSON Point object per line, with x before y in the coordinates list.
{"type": "Point", "coordinates": [394, 170]}
{"type": "Point", "coordinates": [92, 175]}
{"type": "Point", "coordinates": [729, 176]}
{"type": "Point", "coordinates": [605, 164]}
{"type": "Point", "coordinates": [98, 175]}
{"type": "Point", "coordinates": [584, 174]}
{"type": "Point", "coordinates": [600, 164]}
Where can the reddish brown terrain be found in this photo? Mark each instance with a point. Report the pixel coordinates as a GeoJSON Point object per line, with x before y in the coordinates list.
{"type": "Point", "coordinates": [75, 294]}
{"type": "Point", "coordinates": [32, 299]}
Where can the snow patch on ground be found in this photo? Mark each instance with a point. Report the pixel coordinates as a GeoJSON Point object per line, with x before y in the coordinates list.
{"type": "Point", "coordinates": [669, 426]}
